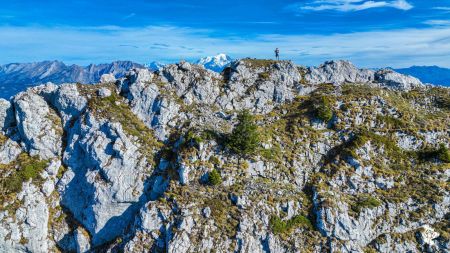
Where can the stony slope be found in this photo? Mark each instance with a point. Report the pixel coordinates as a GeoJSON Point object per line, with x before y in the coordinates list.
{"type": "Point", "coordinates": [145, 164]}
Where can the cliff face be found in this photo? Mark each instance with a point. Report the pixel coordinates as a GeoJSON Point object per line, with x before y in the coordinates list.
{"type": "Point", "coordinates": [144, 164]}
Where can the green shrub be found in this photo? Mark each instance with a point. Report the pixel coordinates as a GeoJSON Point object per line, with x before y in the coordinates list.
{"type": "Point", "coordinates": [278, 226]}
{"type": "Point", "coordinates": [365, 202]}
{"type": "Point", "coordinates": [443, 102]}
{"type": "Point", "coordinates": [245, 138]}
{"type": "Point", "coordinates": [321, 107]}
{"type": "Point", "coordinates": [264, 75]}
{"type": "Point", "coordinates": [192, 139]}
{"type": "Point", "coordinates": [428, 154]}
{"type": "Point", "coordinates": [214, 177]}
{"type": "Point", "coordinates": [443, 154]}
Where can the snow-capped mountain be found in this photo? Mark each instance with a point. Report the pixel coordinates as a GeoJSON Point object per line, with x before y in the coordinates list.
{"type": "Point", "coordinates": [215, 63]}
{"type": "Point", "coordinates": [15, 77]}
{"type": "Point", "coordinates": [155, 65]}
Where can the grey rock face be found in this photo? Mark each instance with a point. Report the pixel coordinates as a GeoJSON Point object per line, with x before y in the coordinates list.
{"type": "Point", "coordinates": [39, 125]}
{"type": "Point", "coordinates": [192, 83]}
{"type": "Point", "coordinates": [9, 151]}
{"type": "Point", "coordinates": [6, 115]}
{"type": "Point", "coordinates": [147, 102]}
{"type": "Point", "coordinates": [338, 72]}
{"type": "Point", "coordinates": [107, 78]}
{"type": "Point", "coordinates": [82, 241]}
{"type": "Point", "coordinates": [105, 181]}
{"type": "Point", "coordinates": [69, 103]}
{"type": "Point", "coordinates": [397, 81]}
{"type": "Point", "coordinates": [28, 229]}
{"type": "Point", "coordinates": [259, 86]}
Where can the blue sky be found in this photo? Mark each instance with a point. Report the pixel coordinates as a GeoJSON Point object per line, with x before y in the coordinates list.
{"type": "Point", "coordinates": [371, 33]}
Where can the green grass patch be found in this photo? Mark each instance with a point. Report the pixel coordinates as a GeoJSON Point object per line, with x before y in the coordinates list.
{"type": "Point", "coordinates": [259, 63]}
{"type": "Point", "coordinates": [365, 201]}
{"type": "Point", "coordinates": [279, 226]}
{"type": "Point", "coordinates": [13, 175]}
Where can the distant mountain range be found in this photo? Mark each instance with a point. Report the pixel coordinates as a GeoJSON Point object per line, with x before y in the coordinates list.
{"type": "Point", "coordinates": [16, 77]}
{"type": "Point", "coordinates": [428, 74]}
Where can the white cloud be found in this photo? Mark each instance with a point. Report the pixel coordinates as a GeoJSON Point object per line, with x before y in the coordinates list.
{"type": "Point", "coordinates": [348, 5]}
{"type": "Point", "coordinates": [396, 48]}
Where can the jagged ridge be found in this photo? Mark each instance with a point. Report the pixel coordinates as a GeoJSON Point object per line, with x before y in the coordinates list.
{"type": "Point", "coordinates": [128, 162]}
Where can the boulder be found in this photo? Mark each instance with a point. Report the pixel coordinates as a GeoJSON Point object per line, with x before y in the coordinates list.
{"type": "Point", "coordinates": [108, 78]}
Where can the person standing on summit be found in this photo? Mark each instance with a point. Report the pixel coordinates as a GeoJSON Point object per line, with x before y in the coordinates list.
{"type": "Point", "coordinates": [277, 53]}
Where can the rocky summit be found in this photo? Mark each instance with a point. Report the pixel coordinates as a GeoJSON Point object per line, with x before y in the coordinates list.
{"type": "Point", "coordinates": [266, 156]}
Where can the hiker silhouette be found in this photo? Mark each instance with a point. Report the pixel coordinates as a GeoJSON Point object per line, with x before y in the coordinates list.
{"type": "Point", "coordinates": [277, 54]}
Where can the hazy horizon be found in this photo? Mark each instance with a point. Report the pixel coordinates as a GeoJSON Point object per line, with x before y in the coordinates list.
{"type": "Point", "coordinates": [371, 34]}
{"type": "Point", "coordinates": [194, 60]}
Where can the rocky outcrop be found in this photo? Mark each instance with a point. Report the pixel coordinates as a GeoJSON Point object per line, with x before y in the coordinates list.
{"type": "Point", "coordinates": [192, 83]}
{"type": "Point", "coordinates": [105, 180]}
{"type": "Point", "coordinates": [397, 81]}
{"type": "Point", "coordinates": [6, 115]}
{"type": "Point", "coordinates": [39, 125]}
{"type": "Point", "coordinates": [339, 72]}
{"type": "Point", "coordinates": [27, 230]}
{"type": "Point", "coordinates": [144, 163]}
{"type": "Point", "coordinates": [259, 84]}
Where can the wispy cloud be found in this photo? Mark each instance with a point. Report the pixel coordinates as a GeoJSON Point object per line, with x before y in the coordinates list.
{"type": "Point", "coordinates": [129, 16]}
{"type": "Point", "coordinates": [348, 5]}
{"type": "Point", "coordinates": [128, 46]}
{"type": "Point", "coordinates": [442, 8]}
{"type": "Point", "coordinates": [437, 22]}
{"type": "Point", "coordinates": [396, 48]}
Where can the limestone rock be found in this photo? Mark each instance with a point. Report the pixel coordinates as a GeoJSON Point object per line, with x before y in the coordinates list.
{"type": "Point", "coordinates": [396, 80]}
{"type": "Point", "coordinates": [105, 181]}
{"type": "Point", "coordinates": [104, 92]}
{"type": "Point", "coordinates": [9, 151]}
{"type": "Point", "coordinates": [39, 125]}
{"type": "Point", "coordinates": [28, 231]}
{"type": "Point", "coordinates": [6, 115]}
{"type": "Point", "coordinates": [107, 78]}
{"type": "Point", "coordinates": [69, 103]}
{"type": "Point", "coordinates": [338, 72]}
